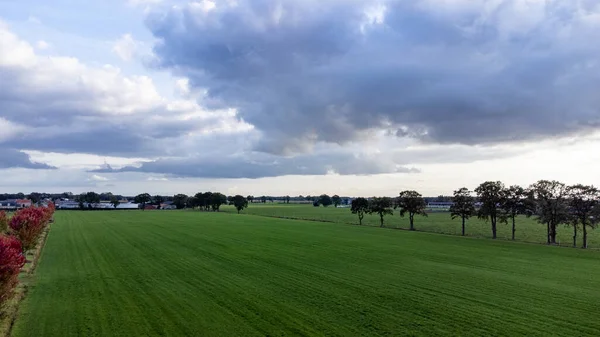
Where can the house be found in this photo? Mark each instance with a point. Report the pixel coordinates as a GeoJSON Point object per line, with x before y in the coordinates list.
{"type": "Point", "coordinates": [128, 205]}
{"type": "Point", "coordinates": [21, 203]}
{"type": "Point", "coordinates": [8, 204]}
{"type": "Point", "coordinates": [167, 205]}
{"type": "Point", "coordinates": [149, 207]}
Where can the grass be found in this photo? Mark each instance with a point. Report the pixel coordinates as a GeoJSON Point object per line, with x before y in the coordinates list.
{"type": "Point", "coordinates": [216, 274]}
{"type": "Point", "coordinates": [528, 230]}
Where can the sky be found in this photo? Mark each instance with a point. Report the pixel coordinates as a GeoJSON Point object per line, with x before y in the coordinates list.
{"type": "Point", "coordinates": [297, 97]}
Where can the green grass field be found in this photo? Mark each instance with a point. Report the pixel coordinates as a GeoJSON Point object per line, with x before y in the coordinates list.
{"type": "Point", "coordinates": [188, 273]}
{"type": "Point", "coordinates": [528, 230]}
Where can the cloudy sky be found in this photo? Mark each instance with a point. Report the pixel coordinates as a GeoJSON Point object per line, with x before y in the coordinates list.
{"type": "Point", "coordinates": [354, 97]}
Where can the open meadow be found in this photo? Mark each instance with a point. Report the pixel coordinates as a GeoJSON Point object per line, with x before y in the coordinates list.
{"type": "Point", "coordinates": [171, 273]}
{"type": "Point", "coordinates": [528, 230]}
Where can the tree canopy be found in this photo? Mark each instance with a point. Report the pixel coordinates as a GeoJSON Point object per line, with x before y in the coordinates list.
{"type": "Point", "coordinates": [360, 206]}
{"type": "Point", "coordinates": [411, 203]}
{"type": "Point", "coordinates": [382, 207]}
{"type": "Point", "coordinates": [490, 196]}
{"type": "Point", "coordinates": [239, 202]}
{"type": "Point", "coordinates": [463, 206]}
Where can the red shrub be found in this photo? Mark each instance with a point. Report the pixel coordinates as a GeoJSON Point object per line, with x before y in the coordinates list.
{"type": "Point", "coordinates": [28, 224]}
{"type": "Point", "coordinates": [3, 222]}
{"type": "Point", "coordinates": [11, 262]}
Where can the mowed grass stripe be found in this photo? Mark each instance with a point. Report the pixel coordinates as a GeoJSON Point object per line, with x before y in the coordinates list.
{"type": "Point", "coordinates": [216, 274]}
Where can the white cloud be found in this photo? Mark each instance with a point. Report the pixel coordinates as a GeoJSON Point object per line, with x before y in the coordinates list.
{"type": "Point", "coordinates": [96, 177]}
{"type": "Point", "coordinates": [126, 47]}
{"type": "Point", "coordinates": [42, 45]}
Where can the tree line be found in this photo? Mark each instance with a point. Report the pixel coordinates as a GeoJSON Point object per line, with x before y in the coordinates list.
{"type": "Point", "coordinates": [551, 202]}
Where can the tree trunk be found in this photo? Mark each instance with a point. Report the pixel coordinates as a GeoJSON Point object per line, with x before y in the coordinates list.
{"type": "Point", "coordinates": [381, 219]}
{"type": "Point", "coordinates": [584, 236]}
{"type": "Point", "coordinates": [575, 236]}
{"type": "Point", "coordinates": [548, 232]}
{"type": "Point", "coordinates": [493, 227]}
{"type": "Point", "coordinates": [463, 226]}
{"type": "Point", "coordinates": [412, 223]}
{"type": "Point", "coordinates": [553, 234]}
{"type": "Point", "coordinates": [513, 228]}
{"type": "Point", "coordinates": [360, 217]}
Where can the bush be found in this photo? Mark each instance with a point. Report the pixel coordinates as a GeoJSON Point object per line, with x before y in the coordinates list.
{"type": "Point", "coordinates": [28, 224]}
{"type": "Point", "coordinates": [3, 222]}
{"type": "Point", "coordinates": [11, 262]}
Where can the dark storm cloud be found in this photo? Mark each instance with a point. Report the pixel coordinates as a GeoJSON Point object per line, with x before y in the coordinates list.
{"type": "Point", "coordinates": [307, 71]}
{"type": "Point", "coordinates": [10, 158]}
{"type": "Point", "coordinates": [263, 165]}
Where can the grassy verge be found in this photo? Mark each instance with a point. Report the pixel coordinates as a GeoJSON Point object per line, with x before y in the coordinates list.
{"type": "Point", "coordinates": [10, 309]}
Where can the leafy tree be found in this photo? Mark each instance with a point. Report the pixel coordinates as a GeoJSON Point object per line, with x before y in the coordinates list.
{"type": "Point", "coordinates": [203, 200]}
{"type": "Point", "coordinates": [463, 206]}
{"type": "Point", "coordinates": [550, 205]}
{"type": "Point", "coordinates": [515, 201]}
{"type": "Point", "coordinates": [180, 201]}
{"type": "Point", "coordinates": [287, 199]}
{"type": "Point", "coordinates": [336, 200]}
{"type": "Point", "coordinates": [325, 200]}
{"type": "Point", "coordinates": [142, 199]}
{"type": "Point", "coordinates": [217, 199]}
{"type": "Point", "coordinates": [582, 202]}
{"type": "Point", "coordinates": [92, 197]}
{"type": "Point", "coordinates": [35, 197]}
{"type": "Point", "coordinates": [490, 195]}
{"type": "Point", "coordinates": [382, 207]}
{"type": "Point", "coordinates": [360, 206]}
{"type": "Point", "coordinates": [240, 202]}
{"type": "Point", "coordinates": [309, 198]}
{"type": "Point", "coordinates": [192, 202]}
{"type": "Point", "coordinates": [158, 199]}
{"type": "Point", "coordinates": [411, 202]}
{"type": "Point", "coordinates": [250, 198]}
{"type": "Point", "coordinates": [115, 201]}
{"type": "Point", "coordinates": [263, 199]}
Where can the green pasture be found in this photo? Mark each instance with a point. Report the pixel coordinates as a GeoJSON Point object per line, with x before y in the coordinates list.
{"type": "Point", "coordinates": [172, 273]}
{"type": "Point", "coordinates": [528, 230]}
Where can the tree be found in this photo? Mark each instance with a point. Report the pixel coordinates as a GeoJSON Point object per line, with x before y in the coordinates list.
{"type": "Point", "coordinates": [463, 206]}
{"type": "Point", "coordinates": [158, 200]}
{"type": "Point", "coordinates": [360, 206]}
{"type": "Point", "coordinates": [382, 207]}
{"type": "Point", "coordinates": [263, 199]}
{"type": "Point", "coordinates": [336, 200]}
{"type": "Point", "coordinates": [115, 201]}
{"type": "Point", "coordinates": [142, 199]}
{"type": "Point", "coordinates": [582, 202]}
{"type": "Point", "coordinates": [514, 202]}
{"type": "Point", "coordinates": [550, 205]}
{"type": "Point", "coordinates": [180, 200]}
{"type": "Point", "coordinates": [35, 197]}
{"type": "Point", "coordinates": [240, 203]}
{"type": "Point", "coordinates": [250, 198]}
{"type": "Point", "coordinates": [325, 200]}
{"type": "Point", "coordinates": [192, 202]}
{"type": "Point", "coordinates": [287, 199]}
{"type": "Point", "coordinates": [217, 199]}
{"type": "Point", "coordinates": [490, 196]}
{"type": "Point", "coordinates": [92, 198]}
{"type": "Point", "coordinates": [411, 202]}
